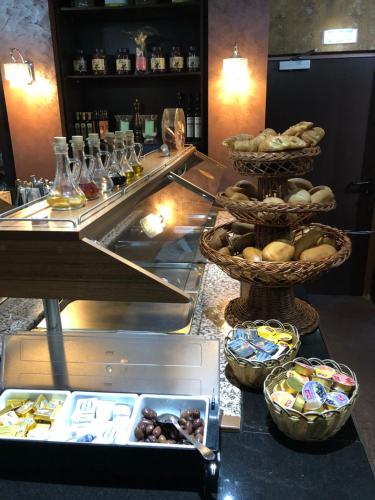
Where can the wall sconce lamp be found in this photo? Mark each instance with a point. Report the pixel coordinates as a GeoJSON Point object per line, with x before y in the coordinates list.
{"type": "Point", "coordinates": [235, 73]}
{"type": "Point", "coordinates": [20, 71]}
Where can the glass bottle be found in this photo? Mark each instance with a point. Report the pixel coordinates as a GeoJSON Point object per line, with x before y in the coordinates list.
{"type": "Point", "coordinates": [189, 121]}
{"type": "Point", "coordinates": [79, 63]}
{"type": "Point", "coordinates": [133, 157]}
{"type": "Point", "coordinates": [137, 122]}
{"type": "Point", "coordinates": [85, 181]}
{"type": "Point", "coordinates": [99, 62]}
{"type": "Point", "coordinates": [157, 60]}
{"type": "Point", "coordinates": [123, 62]}
{"type": "Point", "coordinates": [197, 119]}
{"type": "Point", "coordinates": [96, 168]}
{"type": "Point", "coordinates": [65, 194]}
{"type": "Point", "coordinates": [193, 62]}
{"type": "Point", "coordinates": [140, 60]}
{"type": "Point", "coordinates": [176, 60]}
{"type": "Point", "coordinates": [116, 164]}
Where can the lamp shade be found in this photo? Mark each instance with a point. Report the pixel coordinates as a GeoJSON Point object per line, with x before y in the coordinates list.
{"type": "Point", "coordinates": [18, 74]}
{"type": "Point", "coordinates": [235, 68]}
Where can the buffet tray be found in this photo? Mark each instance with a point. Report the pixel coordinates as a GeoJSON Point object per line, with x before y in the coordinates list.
{"type": "Point", "coordinates": [171, 370]}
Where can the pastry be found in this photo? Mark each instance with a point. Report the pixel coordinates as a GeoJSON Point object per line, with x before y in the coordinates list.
{"type": "Point", "coordinates": [313, 136]}
{"type": "Point", "coordinates": [281, 143]}
{"type": "Point", "coordinates": [243, 145]}
{"type": "Point", "coordinates": [269, 131]}
{"type": "Point", "coordinates": [229, 141]}
{"type": "Point", "coordinates": [298, 128]}
{"type": "Point", "coordinates": [230, 190]}
{"type": "Point", "coordinates": [241, 228]}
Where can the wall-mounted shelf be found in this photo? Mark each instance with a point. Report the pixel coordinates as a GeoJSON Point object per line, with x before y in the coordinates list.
{"type": "Point", "coordinates": [136, 76]}
{"type": "Point", "coordinates": [164, 11]}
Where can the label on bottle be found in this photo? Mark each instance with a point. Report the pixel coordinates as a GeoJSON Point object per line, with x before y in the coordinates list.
{"type": "Point", "coordinates": [197, 127]}
{"type": "Point", "coordinates": [157, 63]}
{"type": "Point", "coordinates": [140, 63]}
{"type": "Point", "coordinates": [123, 65]}
{"type": "Point", "coordinates": [190, 127]}
{"type": "Point", "coordinates": [79, 65]}
{"type": "Point", "coordinates": [98, 64]}
{"type": "Point", "coordinates": [176, 62]}
{"type": "Point", "coordinates": [193, 63]}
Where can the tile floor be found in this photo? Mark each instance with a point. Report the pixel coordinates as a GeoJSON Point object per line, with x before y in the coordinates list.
{"type": "Point", "coordinates": [348, 327]}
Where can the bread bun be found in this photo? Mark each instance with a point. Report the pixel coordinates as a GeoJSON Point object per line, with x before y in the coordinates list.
{"type": "Point", "coordinates": [278, 251]}
{"type": "Point", "coordinates": [297, 183]}
{"type": "Point", "coordinates": [252, 254]}
{"type": "Point", "coordinates": [321, 194]}
{"type": "Point", "coordinates": [301, 196]}
{"type": "Point", "coordinates": [273, 200]}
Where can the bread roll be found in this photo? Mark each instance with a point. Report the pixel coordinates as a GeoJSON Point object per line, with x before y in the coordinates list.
{"type": "Point", "coordinates": [225, 251]}
{"type": "Point", "coordinates": [321, 194]}
{"type": "Point", "coordinates": [248, 188]}
{"type": "Point", "coordinates": [230, 190]}
{"type": "Point", "coordinates": [239, 197]}
{"type": "Point", "coordinates": [278, 251]}
{"type": "Point", "coordinates": [301, 196]}
{"type": "Point", "coordinates": [241, 228]}
{"type": "Point", "coordinates": [252, 254]}
{"type": "Point", "coordinates": [318, 253]}
{"type": "Point", "coordinates": [306, 241]}
{"type": "Point", "coordinates": [229, 141]}
{"type": "Point", "coordinates": [298, 183]}
{"type": "Point", "coordinates": [243, 145]}
{"type": "Point", "coordinates": [238, 243]}
{"type": "Point", "coordinates": [273, 200]}
{"type": "Point", "coordinates": [313, 136]}
{"type": "Point", "coordinates": [298, 128]}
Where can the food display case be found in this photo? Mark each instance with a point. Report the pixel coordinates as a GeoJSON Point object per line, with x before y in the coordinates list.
{"type": "Point", "coordinates": [125, 270]}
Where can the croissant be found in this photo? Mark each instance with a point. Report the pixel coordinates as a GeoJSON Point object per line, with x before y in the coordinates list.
{"type": "Point", "coordinates": [313, 136]}
{"type": "Point", "coordinates": [281, 143]}
{"type": "Point", "coordinates": [298, 129]}
{"type": "Point", "coordinates": [229, 141]}
{"type": "Point", "coordinates": [269, 131]}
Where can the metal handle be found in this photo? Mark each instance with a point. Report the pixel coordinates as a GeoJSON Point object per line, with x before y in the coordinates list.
{"type": "Point", "coordinates": [365, 187]}
{"type": "Point", "coordinates": [206, 452]}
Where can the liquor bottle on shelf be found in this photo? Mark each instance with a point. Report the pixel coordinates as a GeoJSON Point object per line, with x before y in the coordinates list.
{"type": "Point", "coordinates": [65, 194]}
{"type": "Point", "coordinates": [98, 173]}
{"type": "Point", "coordinates": [77, 123]}
{"type": "Point", "coordinates": [157, 60]}
{"type": "Point", "coordinates": [89, 123]}
{"type": "Point", "coordinates": [99, 62]}
{"type": "Point", "coordinates": [140, 60]}
{"type": "Point", "coordinates": [79, 63]}
{"type": "Point", "coordinates": [197, 119]}
{"type": "Point", "coordinates": [176, 60]}
{"type": "Point", "coordinates": [103, 123]}
{"type": "Point", "coordinates": [180, 100]}
{"type": "Point", "coordinates": [193, 62]}
{"type": "Point", "coordinates": [189, 122]}
{"type": "Point", "coordinates": [123, 62]}
{"type": "Point", "coordinates": [137, 122]}
{"type": "Point", "coordinates": [83, 125]}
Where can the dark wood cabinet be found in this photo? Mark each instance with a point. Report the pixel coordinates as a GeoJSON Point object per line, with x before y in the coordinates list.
{"type": "Point", "coordinates": [175, 24]}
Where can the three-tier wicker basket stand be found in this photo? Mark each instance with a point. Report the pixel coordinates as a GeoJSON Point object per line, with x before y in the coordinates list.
{"type": "Point", "coordinates": [267, 287]}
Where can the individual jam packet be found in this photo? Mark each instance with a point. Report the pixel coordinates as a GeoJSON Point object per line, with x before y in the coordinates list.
{"type": "Point", "coordinates": [241, 348]}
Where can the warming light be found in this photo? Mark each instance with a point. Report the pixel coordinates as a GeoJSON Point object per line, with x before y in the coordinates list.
{"type": "Point", "coordinates": [19, 72]}
{"type": "Point", "coordinates": [153, 224]}
{"type": "Point", "coordinates": [236, 79]}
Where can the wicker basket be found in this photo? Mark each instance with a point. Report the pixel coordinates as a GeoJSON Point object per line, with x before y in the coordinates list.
{"type": "Point", "coordinates": [311, 426]}
{"type": "Point", "coordinates": [287, 214]}
{"type": "Point", "coordinates": [277, 274]}
{"type": "Point", "coordinates": [278, 164]}
{"type": "Point", "coordinates": [253, 373]}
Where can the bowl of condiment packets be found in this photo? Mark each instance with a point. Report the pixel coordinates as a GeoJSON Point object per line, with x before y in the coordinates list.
{"type": "Point", "coordinates": [254, 348]}
{"type": "Point", "coordinates": [310, 399]}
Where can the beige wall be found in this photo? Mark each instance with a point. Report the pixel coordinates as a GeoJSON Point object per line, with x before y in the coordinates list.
{"type": "Point", "coordinates": [33, 112]}
{"type": "Point", "coordinates": [297, 26]}
{"type": "Point", "coordinates": [244, 21]}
